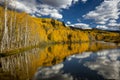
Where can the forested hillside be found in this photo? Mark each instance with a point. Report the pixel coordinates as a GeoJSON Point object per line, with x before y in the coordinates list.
{"type": "Point", "coordinates": [101, 35]}
{"type": "Point", "coordinates": [21, 30]}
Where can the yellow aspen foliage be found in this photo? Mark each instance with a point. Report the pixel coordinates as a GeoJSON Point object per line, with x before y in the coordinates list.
{"type": "Point", "coordinates": [50, 30]}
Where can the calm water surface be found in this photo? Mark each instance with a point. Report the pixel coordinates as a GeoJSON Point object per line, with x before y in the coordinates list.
{"type": "Point", "coordinates": [86, 61]}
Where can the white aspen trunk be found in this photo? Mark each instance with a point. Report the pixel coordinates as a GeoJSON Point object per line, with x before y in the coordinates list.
{"type": "Point", "coordinates": [1, 33]}
{"type": "Point", "coordinates": [6, 27]}
{"type": "Point", "coordinates": [14, 39]}
{"type": "Point", "coordinates": [36, 39]}
{"type": "Point", "coordinates": [19, 40]}
{"type": "Point", "coordinates": [26, 32]}
{"type": "Point", "coordinates": [27, 68]}
{"type": "Point", "coordinates": [29, 36]}
{"type": "Point", "coordinates": [11, 28]}
{"type": "Point", "coordinates": [11, 21]}
{"type": "Point", "coordinates": [5, 33]}
{"type": "Point", "coordinates": [14, 29]}
{"type": "Point", "coordinates": [21, 36]}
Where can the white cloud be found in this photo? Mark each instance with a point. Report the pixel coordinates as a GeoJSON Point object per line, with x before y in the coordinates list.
{"type": "Point", "coordinates": [114, 24]}
{"type": "Point", "coordinates": [59, 3]}
{"type": "Point", "coordinates": [84, 1]}
{"type": "Point", "coordinates": [112, 21]}
{"type": "Point", "coordinates": [46, 10]}
{"type": "Point", "coordinates": [68, 22]}
{"type": "Point", "coordinates": [81, 25]}
{"type": "Point", "coordinates": [110, 26]}
{"type": "Point", "coordinates": [50, 8]}
{"type": "Point", "coordinates": [56, 15]}
{"type": "Point", "coordinates": [108, 9]}
{"type": "Point", "coordinates": [101, 27]}
{"type": "Point", "coordinates": [21, 7]}
{"type": "Point", "coordinates": [75, 1]}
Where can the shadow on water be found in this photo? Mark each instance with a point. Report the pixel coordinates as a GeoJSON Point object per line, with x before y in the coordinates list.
{"type": "Point", "coordinates": [82, 61]}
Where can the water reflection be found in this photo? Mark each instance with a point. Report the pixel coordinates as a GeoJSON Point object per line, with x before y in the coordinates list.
{"type": "Point", "coordinates": [107, 64]}
{"type": "Point", "coordinates": [101, 65]}
{"type": "Point", "coordinates": [20, 67]}
{"type": "Point", "coordinates": [23, 66]}
{"type": "Point", "coordinates": [50, 73]}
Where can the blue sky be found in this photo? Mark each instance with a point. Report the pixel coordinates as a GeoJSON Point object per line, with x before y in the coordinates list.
{"type": "Point", "coordinates": [79, 9]}
{"type": "Point", "coordinates": [103, 14]}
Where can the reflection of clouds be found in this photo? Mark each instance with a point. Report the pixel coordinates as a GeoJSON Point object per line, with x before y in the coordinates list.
{"type": "Point", "coordinates": [107, 64]}
{"type": "Point", "coordinates": [58, 67]}
{"type": "Point", "coordinates": [53, 72]}
{"type": "Point", "coordinates": [79, 56]}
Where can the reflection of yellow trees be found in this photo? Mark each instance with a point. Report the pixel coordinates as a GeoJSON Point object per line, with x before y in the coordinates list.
{"type": "Point", "coordinates": [96, 46]}
{"type": "Point", "coordinates": [23, 66]}
{"type": "Point", "coordinates": [57, 53]}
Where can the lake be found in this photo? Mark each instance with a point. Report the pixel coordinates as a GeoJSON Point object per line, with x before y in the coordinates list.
{"type": "Point", "coordinates": [83, 61]}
